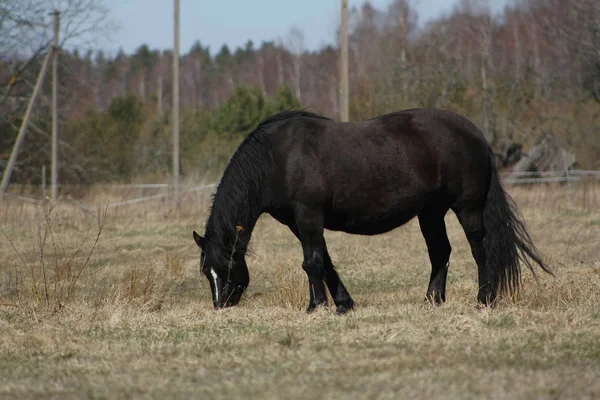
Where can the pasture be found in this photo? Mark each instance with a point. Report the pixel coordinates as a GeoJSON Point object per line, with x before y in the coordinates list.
{"type": "Point", "coordinates": [137, 321]}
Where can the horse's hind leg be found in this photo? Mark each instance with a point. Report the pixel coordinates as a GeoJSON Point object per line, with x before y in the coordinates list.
{"type": "Point", "coordinates": [433, 228]}
{"type": "Point", "coordinates": [310, 224]}
{"type": "Point", "coordinates": [341, 297]}
{"type": "Point", "coordinates": [472, 223]}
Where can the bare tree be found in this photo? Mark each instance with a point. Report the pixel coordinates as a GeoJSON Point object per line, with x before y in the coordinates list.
{"type": "Point", "coordinates": [25, 25]}
{"type": "Point", "coordinates": [481, 30]}
{"type": "Point", "coordinates": [402, 23]}
{"type": "Point", "coordinates": [294, 43]}
{"type": "Point", "coordinates": [581, 26]}
{"type": "Point", "coordinates": [26, 31]}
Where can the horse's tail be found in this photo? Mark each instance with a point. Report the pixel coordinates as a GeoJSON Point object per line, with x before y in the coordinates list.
{"type": "Point", "coordinates": [506, 241]}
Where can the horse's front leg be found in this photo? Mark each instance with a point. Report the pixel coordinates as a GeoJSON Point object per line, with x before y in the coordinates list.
{"type": "Point", "coordinates": [310, 224]}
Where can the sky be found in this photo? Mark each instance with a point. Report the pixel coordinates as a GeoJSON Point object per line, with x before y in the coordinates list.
{"type": "Point", "coordinates": [234, 22]}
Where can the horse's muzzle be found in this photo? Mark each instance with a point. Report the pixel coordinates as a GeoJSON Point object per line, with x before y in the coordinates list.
{"type": "Point", "coordinates": [230, 297]}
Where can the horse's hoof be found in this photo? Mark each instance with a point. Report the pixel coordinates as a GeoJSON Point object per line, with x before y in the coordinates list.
{"type": "Point", "coordinates": [344, 306]}
{"type": "Point", "coordinates": [435, 299]}
{"type": "Point", "coordinates": [343, 309]}
{"type": "Point", "coordinates": [312, 307]}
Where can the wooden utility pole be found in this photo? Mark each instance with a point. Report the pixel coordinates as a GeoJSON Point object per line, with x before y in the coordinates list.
{"type": "Point", "coordinates": [344, 102]}
{"type": "Point", "coordinates": [13, 156]}
{"type": "Point", "coordinates": [176, 102]}
{"type": "Point", "coordinates": [56, 15]}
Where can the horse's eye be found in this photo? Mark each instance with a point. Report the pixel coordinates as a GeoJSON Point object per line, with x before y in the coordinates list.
{"type": "Point", "coordinates": [203, 267]}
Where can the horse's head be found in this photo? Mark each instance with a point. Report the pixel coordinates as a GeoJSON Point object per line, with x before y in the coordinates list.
{"type": "Point", "coordinates": [227, 275]}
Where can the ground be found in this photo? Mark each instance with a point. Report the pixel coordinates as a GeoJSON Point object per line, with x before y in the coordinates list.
{"type": "Point", "coordinates": [137, 321]}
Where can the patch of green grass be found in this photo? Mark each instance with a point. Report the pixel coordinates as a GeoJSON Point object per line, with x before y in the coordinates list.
{"type": "Point", "coordinates": [572, 212]}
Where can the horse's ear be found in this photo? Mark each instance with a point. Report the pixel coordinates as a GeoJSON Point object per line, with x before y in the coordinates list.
{"type": "Point", "coordinates": [199, 240]}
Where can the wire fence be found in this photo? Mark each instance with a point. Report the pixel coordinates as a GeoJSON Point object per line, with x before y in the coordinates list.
{"type": "Point", "coordinates": [516, 178]}
{"type": "Point", "coordinates": [130, 194]}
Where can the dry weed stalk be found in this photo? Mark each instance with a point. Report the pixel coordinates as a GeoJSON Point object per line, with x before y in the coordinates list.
{"type": "Point", "coordinates": [54, 289]}
{"type": "Point", "coordinates": [141, 289]}
{"type": "Point", "coordinates": [290, 289]}
{"type": "Point", "coordinates": [174, 264]}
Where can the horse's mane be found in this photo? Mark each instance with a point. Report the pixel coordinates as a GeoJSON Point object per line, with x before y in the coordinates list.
{"type": "Point", "coordinates": [239, 194]}
{"type": "Point", "coordinates": [286, 115]}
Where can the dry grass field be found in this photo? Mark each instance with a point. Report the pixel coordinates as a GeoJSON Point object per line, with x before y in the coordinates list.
{"type": "Point", "coordinates": [136, 319]}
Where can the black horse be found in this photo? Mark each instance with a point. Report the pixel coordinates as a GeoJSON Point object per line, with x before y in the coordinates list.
{"type": "Point", "coordinates": [369, 177]}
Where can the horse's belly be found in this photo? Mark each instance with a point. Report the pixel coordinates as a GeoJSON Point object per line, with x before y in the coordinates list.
{"type": "Point", "coordinates": [373, 224]}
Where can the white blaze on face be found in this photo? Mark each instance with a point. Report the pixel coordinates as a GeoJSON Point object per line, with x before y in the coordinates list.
{"type": "Point", "coordinates": [214, 275]}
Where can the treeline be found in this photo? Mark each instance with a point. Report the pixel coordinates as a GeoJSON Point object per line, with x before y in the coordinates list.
{"type": "Point", "coordinates": [130, 141]}
{"type": "Point", "coordinates": [532, 70]}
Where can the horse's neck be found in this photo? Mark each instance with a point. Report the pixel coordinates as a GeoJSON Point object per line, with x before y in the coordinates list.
{"type": "Point", "coordinates": [239, 199]}
{"type": "Point", "coordinates": [232, 223]}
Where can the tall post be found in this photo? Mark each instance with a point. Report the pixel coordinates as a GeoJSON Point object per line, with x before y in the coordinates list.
{"type": "Point", "coordinates": [176, 102]}
{"type": "Point", "coordinates": [13, 155]}
{"type": "Point", "coordinates": [568, 178]}
{"type": "Point", "coordinates": [344, 102]}
{"type": "Point", "coordinates": [56, 15]}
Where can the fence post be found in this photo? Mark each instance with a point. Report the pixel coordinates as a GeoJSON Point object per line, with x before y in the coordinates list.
{"type": "Point", "coordinates": [569, 186]}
